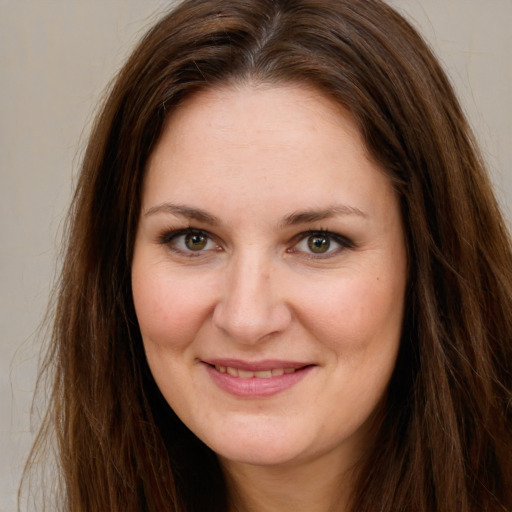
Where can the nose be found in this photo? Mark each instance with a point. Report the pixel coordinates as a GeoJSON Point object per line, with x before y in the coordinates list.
{"type": "Point", "coordinates": [252, 306]}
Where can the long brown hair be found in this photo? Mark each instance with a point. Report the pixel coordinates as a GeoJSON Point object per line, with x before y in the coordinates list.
{"type": "Point", "coordinates": [445, 442]}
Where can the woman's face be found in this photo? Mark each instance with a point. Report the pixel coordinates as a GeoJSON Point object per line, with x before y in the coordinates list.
{"type": "Point", "coordinates": [269, 275]}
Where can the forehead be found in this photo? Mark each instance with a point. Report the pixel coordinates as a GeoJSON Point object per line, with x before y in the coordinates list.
{"type": "Point", "coordinates": [284, 143]}
{"type": "Point", "coordinates": [259, 116]}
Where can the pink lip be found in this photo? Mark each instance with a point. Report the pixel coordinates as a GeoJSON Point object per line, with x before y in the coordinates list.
{"type": "Point", "coordinates": [256, 387]}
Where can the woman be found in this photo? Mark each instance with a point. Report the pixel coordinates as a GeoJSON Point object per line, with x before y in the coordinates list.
{"type": "Point", "coordinates": [287, 282]}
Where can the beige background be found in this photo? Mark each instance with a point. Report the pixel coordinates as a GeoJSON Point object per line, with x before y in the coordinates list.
{"type": "Point", "coordinates": [56, 58]}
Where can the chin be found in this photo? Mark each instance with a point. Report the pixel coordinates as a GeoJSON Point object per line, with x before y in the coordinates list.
{"type": "Point", "coordinates": [258, 455]}
{"type": "Point", "coordinates": [257, 445]}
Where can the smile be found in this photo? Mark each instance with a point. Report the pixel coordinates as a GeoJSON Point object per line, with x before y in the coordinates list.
{"type": "Point", "coordinates": [247, 374]}
{"type": "Point", "coordinates": [256, 380]}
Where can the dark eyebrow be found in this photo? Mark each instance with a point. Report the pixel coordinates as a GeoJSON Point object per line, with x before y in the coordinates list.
{"type": "Point", "coordinates": [184, 211]}
{"type": "Point", "coordinates": [306, 216]}
{"type": "Point", "coordinates": [300, 217]}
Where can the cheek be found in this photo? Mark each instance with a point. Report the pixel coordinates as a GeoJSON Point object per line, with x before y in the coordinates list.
{"type": "Point", "coordinates": [358, 319]}
{"type": "Point", "coordinates": [356, 304]}
{"type": "Point", "coordinates": [170, 310]}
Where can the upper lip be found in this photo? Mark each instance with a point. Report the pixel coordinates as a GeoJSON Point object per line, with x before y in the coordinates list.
{"type": "Point", "coordinates": [255, 366]}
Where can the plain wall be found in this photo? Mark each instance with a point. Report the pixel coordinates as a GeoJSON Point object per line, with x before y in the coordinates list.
{"type": "Point", "coordinates": [56, 58]}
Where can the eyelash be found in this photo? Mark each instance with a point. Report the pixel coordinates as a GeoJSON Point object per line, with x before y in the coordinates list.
{"type": "Point", "coordinates": [168, 237]}
{"type": "Point", "coordinates": [342, 241]}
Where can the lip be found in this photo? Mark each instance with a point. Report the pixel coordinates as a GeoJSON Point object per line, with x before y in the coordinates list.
{"type": "Point", "coordinates": [255, 387]}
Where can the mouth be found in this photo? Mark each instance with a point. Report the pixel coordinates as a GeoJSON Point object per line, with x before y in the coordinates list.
{"type": "Point", "coordinates": [258, 374]}
{"type": "Point", "coordinates": [256, 380]}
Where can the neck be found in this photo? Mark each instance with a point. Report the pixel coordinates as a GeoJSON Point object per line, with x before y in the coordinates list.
{"type": "Point", "coordinates": [319, 485]}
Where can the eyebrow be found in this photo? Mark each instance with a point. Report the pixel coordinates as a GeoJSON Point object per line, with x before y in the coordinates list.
{"type": "Point", "coordinates": [184, 211]}
{"type": "Point", "coordinates": [302, 217]}
{"type": "Point", "coordinates": [298, 217]}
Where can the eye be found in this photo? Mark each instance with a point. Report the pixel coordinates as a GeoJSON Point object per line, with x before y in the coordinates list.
{"type": "Point", "coordinates": [195, 241]}
{"type": "Point", "coordinates": [189, 241]}
{"type": "Point", "coordinates": [321, 243]}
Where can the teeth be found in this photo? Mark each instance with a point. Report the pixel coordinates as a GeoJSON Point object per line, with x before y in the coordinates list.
{"type": "Point", "coordinates": [245, 374]}
{"type": "Point", "coordinates": [232, 371]}
{"type": "Point", "coordinates": [266, 374]}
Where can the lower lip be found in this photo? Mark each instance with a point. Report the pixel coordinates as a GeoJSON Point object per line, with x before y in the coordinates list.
{"type": "Point", "coordinates": [256, 387]}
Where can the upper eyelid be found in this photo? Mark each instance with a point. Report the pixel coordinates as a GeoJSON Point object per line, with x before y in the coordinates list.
{"type": "Point", "coordinates": [324, 232]}
{"type": "Point", "coordinates": [169, 235]}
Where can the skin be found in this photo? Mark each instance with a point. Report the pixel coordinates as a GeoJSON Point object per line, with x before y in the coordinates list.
{"type": "Point", "coordinates": [253, 159]}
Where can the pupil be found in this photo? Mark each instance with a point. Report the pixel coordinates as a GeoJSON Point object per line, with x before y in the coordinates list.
{"type": "Point", "coordinates": [195, 241]}
{"type": "Point", "coordinates": [318, 244]}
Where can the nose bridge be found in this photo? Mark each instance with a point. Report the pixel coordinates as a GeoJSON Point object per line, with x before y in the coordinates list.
{"type": "Point", "coordinates": [251, 306]}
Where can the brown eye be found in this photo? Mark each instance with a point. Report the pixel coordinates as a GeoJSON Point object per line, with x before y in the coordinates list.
{"type": "Point", "coordinates": [196, 241]}
{"type": "Point", "coordinates": [189, 242]}
{"type": "Point", "coordinates": [321, 244]}
{"type": "Point", "coordinates": [318, 244]}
